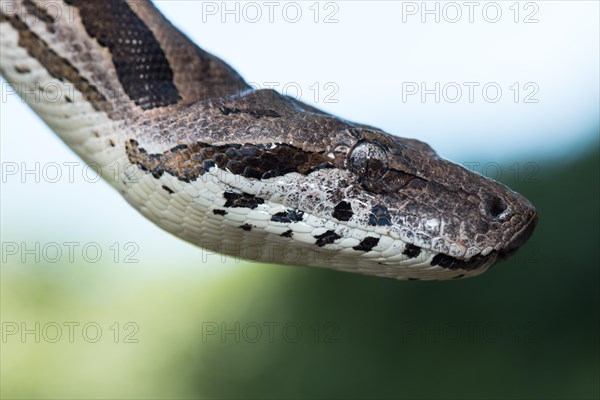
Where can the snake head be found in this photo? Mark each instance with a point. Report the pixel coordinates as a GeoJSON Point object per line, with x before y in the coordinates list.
{"type": "Point", "coordinates": [347, 196]}
{"type": "Point", "coordinates": [461, 219]}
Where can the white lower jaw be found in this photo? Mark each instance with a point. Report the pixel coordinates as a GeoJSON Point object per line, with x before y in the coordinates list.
{"type": "Point", "coordinates": [250, 234]}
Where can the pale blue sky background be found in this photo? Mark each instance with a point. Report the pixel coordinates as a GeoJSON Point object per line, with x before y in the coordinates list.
{"type": "Point", "coordinates": [369, 55]}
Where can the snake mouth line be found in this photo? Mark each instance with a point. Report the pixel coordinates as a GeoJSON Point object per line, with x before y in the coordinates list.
{"type": "Point", "coordinates": [473, 263]}
{"type": "Point", "coordinates": [479, 260]}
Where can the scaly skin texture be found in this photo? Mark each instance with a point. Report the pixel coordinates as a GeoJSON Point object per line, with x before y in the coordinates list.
{"type": "Point", "coordinates": [466, 213]}
{"type": "Point", "coordinates": [215, 161]}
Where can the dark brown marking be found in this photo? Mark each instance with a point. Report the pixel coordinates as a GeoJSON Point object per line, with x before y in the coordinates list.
{"type": "Point", "coordinates": [140, 63]}
{"type": "Point", "coordinates": [38, 12]}
{"type": "Point", "coordinates": [267, 161]}
{"type": "Point", "coordinates": [180, 161]}
{"type": "Point", "coordinates": [288, 216]}
{"type": "Point", "coordinates": [367, 244]}
{"type": "Point", "coordinates": [111, 142]}
{"type": "Point", "coordinates": [246, 227]}
{"type": "Point", "coordinates": [411, 251]}
{"type": "Point", "coordinates": [168, 189]}
{"type": "Point", "coordinates": [326, 238]}
{"type": "Point", "coordinates": [342, 211]}
{"type": "Point", "coordinates": [56, 66]}
{"type": "Point", "coordinates": [219, 212]}
{"type": "Point", "coordinates": [241, 200]}
{"type": "Point", "coordinates": [22, 69]}
{"type": "Point", "coordinates": [287, 233]}
{"type": "Point", "coordinates": [188, 162]}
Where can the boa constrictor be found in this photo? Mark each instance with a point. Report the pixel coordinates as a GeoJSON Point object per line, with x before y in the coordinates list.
{"type": "Point", "coordinates": [248, 173]}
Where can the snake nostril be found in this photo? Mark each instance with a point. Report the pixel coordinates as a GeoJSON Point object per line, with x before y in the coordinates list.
{"type": "Point", "coordinates": [495, 206]}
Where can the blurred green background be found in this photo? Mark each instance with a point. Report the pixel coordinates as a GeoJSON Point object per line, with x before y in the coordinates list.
{"type": "Point", "coordinates": [528, 328]}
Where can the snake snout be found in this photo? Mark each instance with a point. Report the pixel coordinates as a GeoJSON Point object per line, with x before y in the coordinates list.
{"type": "Point", "coordinates": [522, 236]}
{"type": "Point", "coordinates": [524, 232]}
{"type": "Point", "coordinates": [511, 218]}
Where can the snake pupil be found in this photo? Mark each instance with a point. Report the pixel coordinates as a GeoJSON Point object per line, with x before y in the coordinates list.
{"type": "Point", "coordinates": [368, 160]}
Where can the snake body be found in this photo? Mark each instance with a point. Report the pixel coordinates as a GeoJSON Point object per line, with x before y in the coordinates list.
{"type": "Point", "coordinates": [243, 172]}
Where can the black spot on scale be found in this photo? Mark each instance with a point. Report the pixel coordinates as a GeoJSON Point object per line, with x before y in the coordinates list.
{"type": "Point", "coordinates": [292, 215]}
{"type": "Point", "coordinates": [246, 227]}
{"type": "Point", "coordinates": [287, 233]}
{"type": "Point", "coordinates": [178, 148]}
{"type": "Point", "coordinates": [326, 238]}
{"type": "Point", "coordinates": [168, 189]}
{"type": "Point", "coordinates": [219, 212]}
{"type": "Point", "coordinates": [411, 251]}
{"type": "Point", "coordinates": [342, 211]}
{"type": "Point", "coordinates": [453, 263]}
{"type": "Point", "coordinates": [414, 279]}
{"type": "Point", "coordinates": [367, 244]}
{"type": "Point", "coordinates": [380, 216]}
{"type": "Point", "coordinates": [241, 200]}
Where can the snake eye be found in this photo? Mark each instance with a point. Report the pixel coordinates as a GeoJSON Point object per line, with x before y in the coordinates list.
{"type": "Point", "coordinates": [365, 151]}
{"type": "Point", "coordinates": [368, 160]}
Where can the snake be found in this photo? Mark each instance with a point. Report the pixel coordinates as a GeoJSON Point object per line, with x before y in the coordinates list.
{"type": "Point", "coordinates": [245, 172]}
